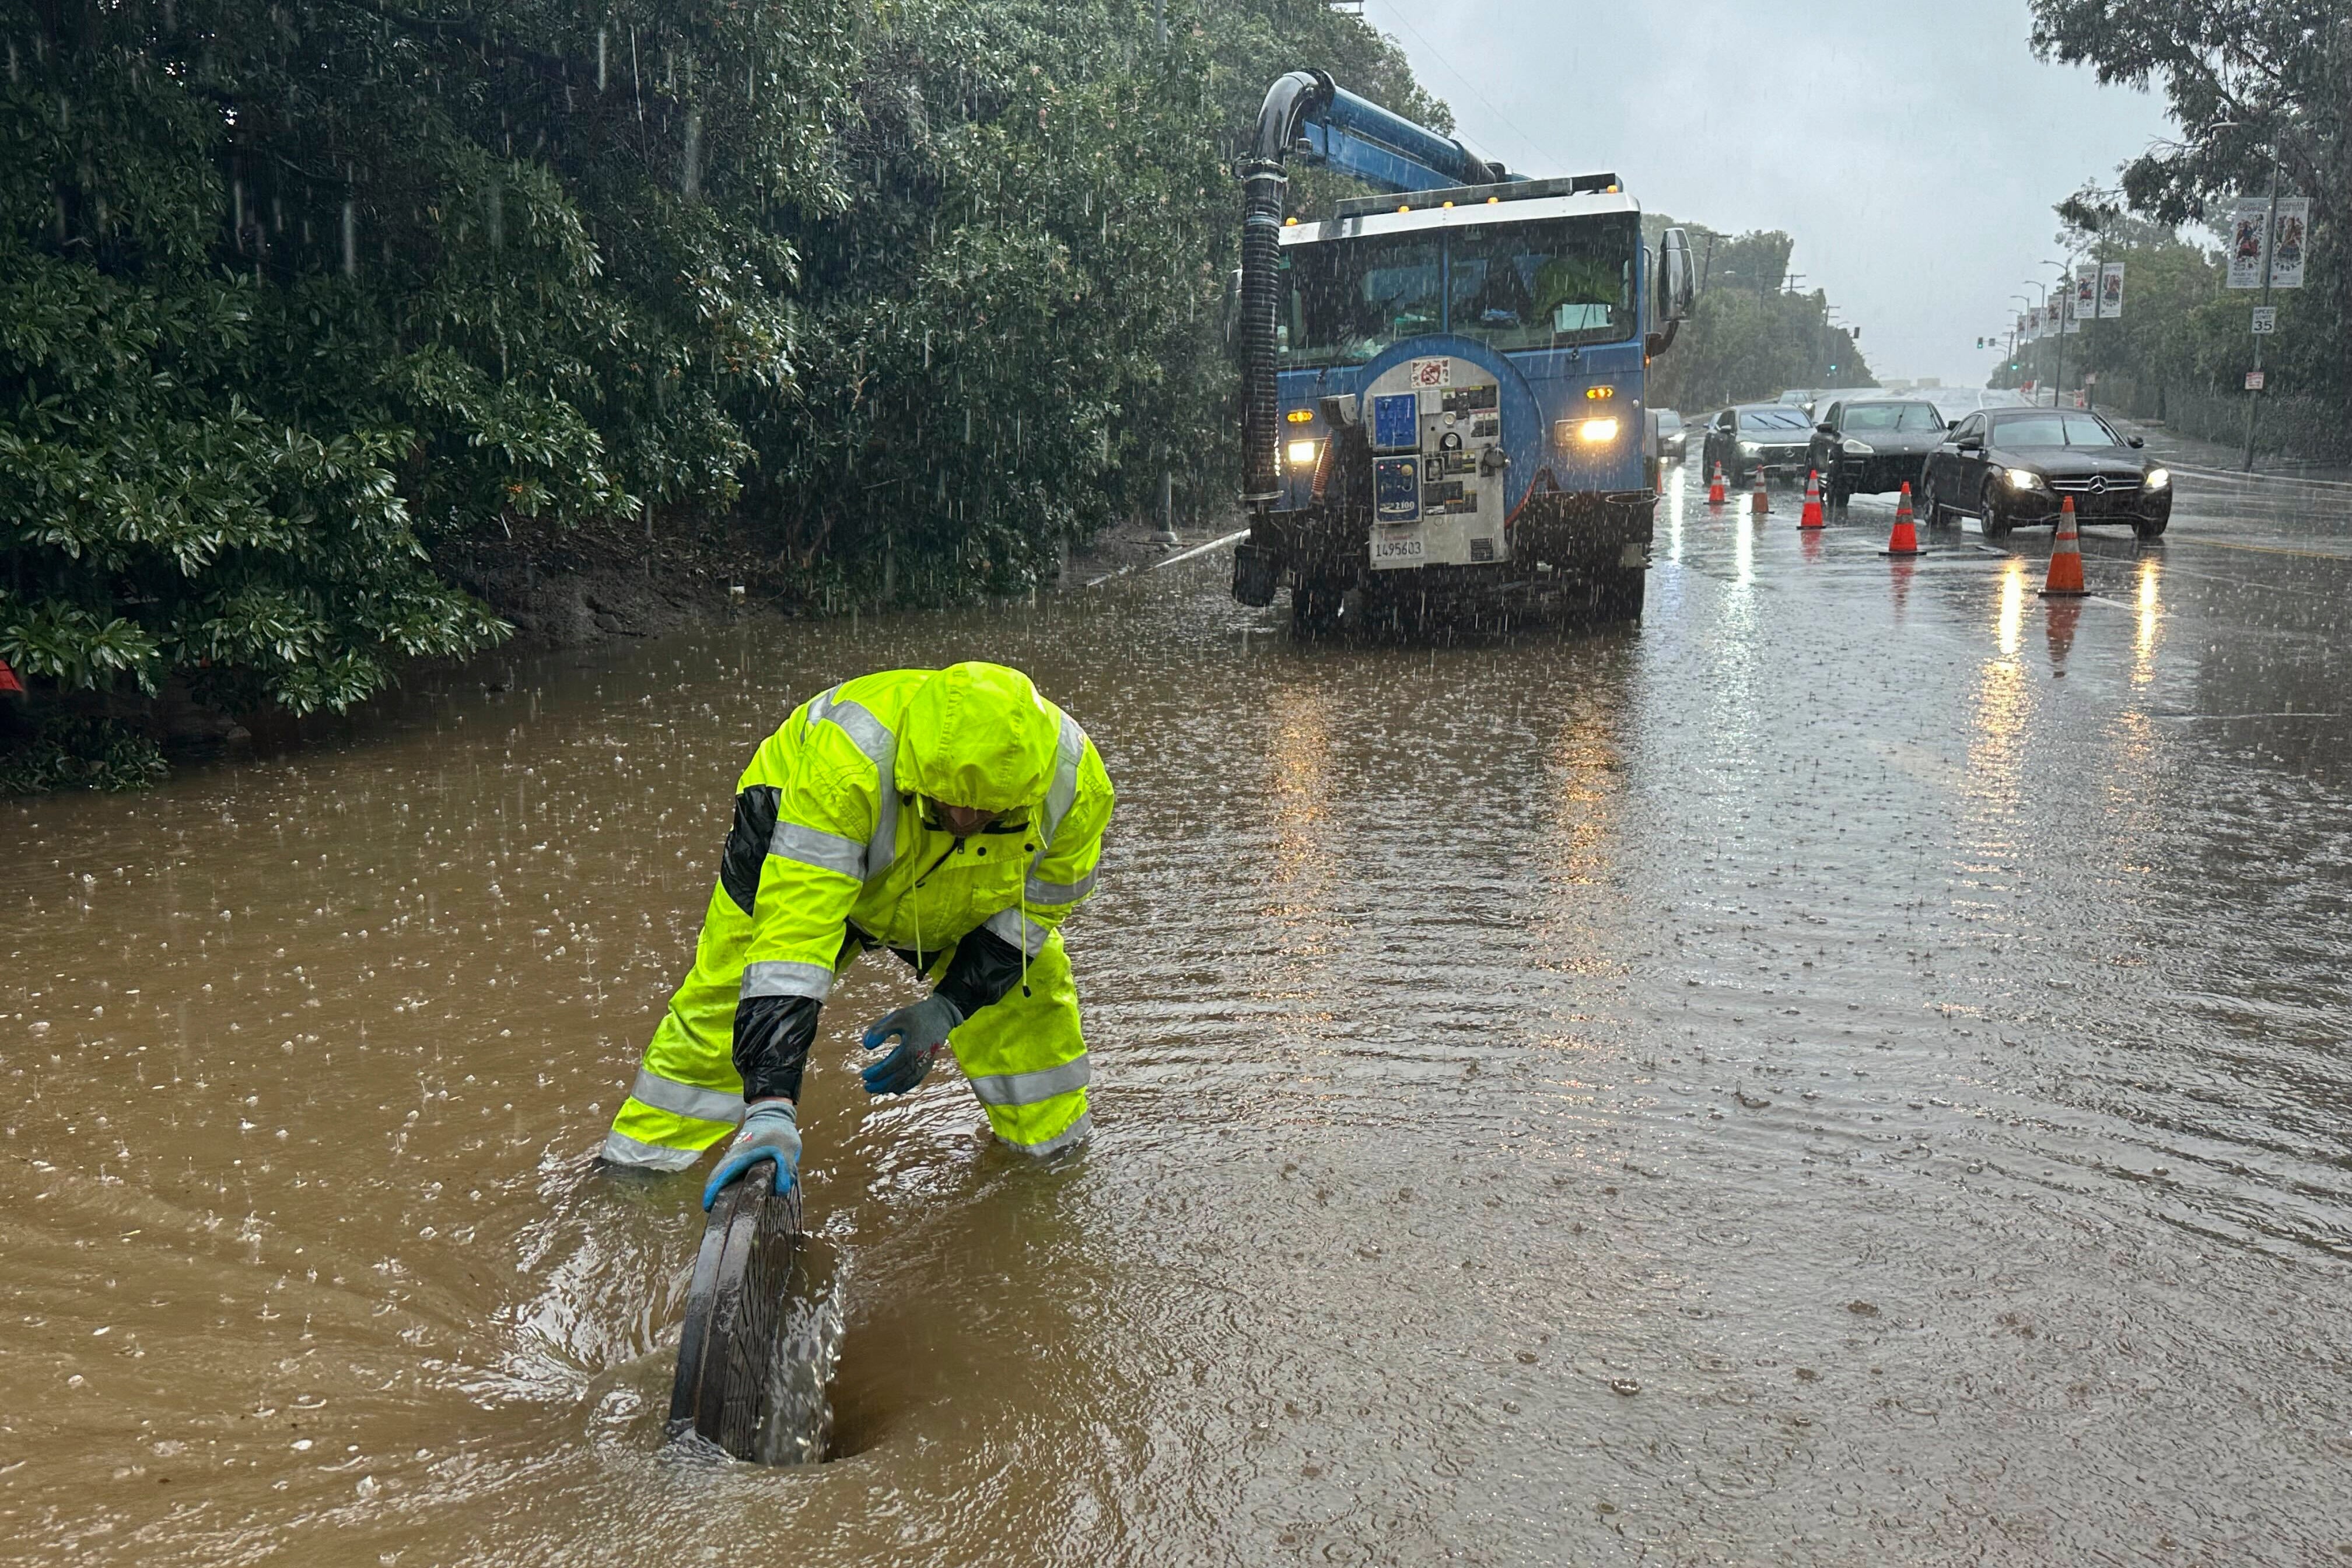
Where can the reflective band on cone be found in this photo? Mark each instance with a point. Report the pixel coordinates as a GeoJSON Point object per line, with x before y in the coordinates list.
{"type": "Point", "coordinates": [1904, 540]}
{"type": "Point", "coordinates": [2066, 560]}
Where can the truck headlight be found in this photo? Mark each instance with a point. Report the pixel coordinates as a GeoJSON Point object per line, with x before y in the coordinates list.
{"type": "Point", "coordinates": [1748, 448]}
{"type": "Point", "coordinates": [1860, 449]}
{"type": "Point", "coordinates": [2158, 479]}
{"type": "Point", "coordinates": [2024, 479]}
{"type": "Point", "coordinates": [1301, 454]}
{"type": "Point", "coordinates": [1597, 432]}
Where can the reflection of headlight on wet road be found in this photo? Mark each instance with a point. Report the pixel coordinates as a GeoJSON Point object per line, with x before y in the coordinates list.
{"type": "Point", "coordinates": [2024, 479]}
{"type": "Point", "coordinates": [2158, 479]}
{"type": "Point", "coordinates": [1302, 454]}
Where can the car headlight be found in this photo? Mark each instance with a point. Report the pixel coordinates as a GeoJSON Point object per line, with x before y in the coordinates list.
{"type": "Point", "coordinates": [2158, 479]}
{"type": "Point", "coordinates": [1597, 432]}
{"type": "Point", "coordinates": [1859, 449]}
{"type": "Point", "coordinates": [1301, 454]}
{"type": "Point", "coordinates": [1748, 448]}
{"type": "Point", "coordinates": [2024, 479]}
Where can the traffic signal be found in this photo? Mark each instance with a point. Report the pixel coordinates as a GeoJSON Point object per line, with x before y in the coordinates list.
{"type": "Point", "coordinates": [1980, 342]}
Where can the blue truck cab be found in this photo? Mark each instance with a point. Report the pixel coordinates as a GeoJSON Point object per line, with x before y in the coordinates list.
{"type": "Point", "coordinates": [1455, 380]}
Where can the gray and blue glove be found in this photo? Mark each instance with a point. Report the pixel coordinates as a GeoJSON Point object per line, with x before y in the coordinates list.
{"type": "Point", "coordinates": [920, 1030]}
{"type": "Point", "coordinates": [771, 1132]}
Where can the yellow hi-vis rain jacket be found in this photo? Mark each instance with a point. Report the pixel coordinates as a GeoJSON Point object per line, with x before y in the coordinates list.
{"type": "Point", "coordinates": [833, 850]}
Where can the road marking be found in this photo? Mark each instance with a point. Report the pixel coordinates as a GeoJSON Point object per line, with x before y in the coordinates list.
{"type": "Point", "coordinates": [2244, 479]}
{"type": "Point", "coordinates": [2273, 549]}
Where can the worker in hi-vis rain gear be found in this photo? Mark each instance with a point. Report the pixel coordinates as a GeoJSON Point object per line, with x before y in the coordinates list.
{"type": "Point", "coordinates": [954, 816]}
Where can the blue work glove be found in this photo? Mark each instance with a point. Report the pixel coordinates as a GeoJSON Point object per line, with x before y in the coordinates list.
{"type": "Point", "coordinates": [771, 1132]}
{"type": "Point", "coordinates": [920, 1030]}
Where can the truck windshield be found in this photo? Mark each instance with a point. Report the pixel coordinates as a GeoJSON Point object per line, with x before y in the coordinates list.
{"type": "Point", "coordinates": [1344, 302]}
{"type": "Point", "coordinates": [1538, 285]}
{"type": "Point", "coordinates": [1544, 285]}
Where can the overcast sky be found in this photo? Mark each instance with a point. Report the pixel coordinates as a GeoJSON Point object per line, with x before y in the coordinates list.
{"type": "Point", "coordinates": [1913, 148]}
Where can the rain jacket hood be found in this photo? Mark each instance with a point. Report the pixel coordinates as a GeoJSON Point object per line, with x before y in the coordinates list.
{"type": "Point", "coordinates": [977, 735]}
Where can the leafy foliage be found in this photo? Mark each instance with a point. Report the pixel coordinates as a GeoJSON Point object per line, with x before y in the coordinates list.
{"type": "Point", "coordinates": [915, 288]}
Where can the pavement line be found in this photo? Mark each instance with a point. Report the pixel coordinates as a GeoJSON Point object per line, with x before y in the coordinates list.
{"type": "Point", "coordinates": [2246, 478]}
{"type": "Point", "coordinates": [2273, 549]}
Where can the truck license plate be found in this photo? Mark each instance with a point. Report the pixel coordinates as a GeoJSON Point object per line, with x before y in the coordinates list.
{"type": "Point", "coordinates": [1399, 547]}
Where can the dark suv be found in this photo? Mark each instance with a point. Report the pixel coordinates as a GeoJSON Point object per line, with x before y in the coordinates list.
{"type": "Point", "coordinates": [2015, 467]}
{"type": "Point", "coordinates": [1874, 444]}
{"type": "Point", "coordinates": [1752, 435]}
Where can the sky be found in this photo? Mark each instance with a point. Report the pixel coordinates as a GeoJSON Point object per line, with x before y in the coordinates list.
{"type": "Point", "coordinates": [1914, 149]}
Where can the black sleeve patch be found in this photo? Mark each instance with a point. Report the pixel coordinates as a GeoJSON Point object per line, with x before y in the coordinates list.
{"type": "Point", "coordinates": [747, 843]}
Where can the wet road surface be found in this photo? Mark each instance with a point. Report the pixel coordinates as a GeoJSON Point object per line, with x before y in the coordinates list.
{"type": "Point", "coordinates": [1851, 1072]}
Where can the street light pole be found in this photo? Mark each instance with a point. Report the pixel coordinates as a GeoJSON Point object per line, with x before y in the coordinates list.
{"type": "Point", "coordinates": [2066, 309]}
{"type": "Point", "coordinates": [2040, 309]}
{"type": "Point", "coordinates": [2270, 234]}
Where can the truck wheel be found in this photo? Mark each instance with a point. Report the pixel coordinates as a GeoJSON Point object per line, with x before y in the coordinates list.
{"type": "Point", "coordinates": [1314, 608]}
{"type": "Point", "coordinates": [1619, 593]}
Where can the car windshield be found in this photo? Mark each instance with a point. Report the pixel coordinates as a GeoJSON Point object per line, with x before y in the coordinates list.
{"type": "Point", "coordinates": [1670, 420]}
{"type": "Point", "coordinates": [1773, 420]}
{"type": "Point", "coordinates": [2053, 430]}
{"type": "Point", "coordinates": [1544, 284]}
{"type": "Point", "coordinates": [1344, 303]}
{"type": "Point", "coordinates": [1895, 418]}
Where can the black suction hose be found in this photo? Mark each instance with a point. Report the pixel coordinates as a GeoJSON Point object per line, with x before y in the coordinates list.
{"type": "Point", "coordinates": [1265, 185]}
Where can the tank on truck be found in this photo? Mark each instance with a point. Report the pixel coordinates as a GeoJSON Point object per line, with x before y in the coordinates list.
{"type": "Point", "coordinates": [1427, 487]}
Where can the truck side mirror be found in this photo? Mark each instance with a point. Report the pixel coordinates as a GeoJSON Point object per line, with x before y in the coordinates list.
{"type": "Point", "coordinates": [1676, 285]}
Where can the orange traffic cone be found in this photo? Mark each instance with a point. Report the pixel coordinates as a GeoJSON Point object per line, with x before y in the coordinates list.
{"type": "Point", "coordinates": [1760, 502]}
{"type": "Point", "coordinates": [2066, 560]}
{"type": "Point", "coordinates": [1904, 540]}
{"type": "Point", "coordinates": [1811, 516]}
{"type": "Point", "coordinates": [1716, 493]}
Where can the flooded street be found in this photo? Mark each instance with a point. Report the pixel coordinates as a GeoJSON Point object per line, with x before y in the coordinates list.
{"type": "Point", "coordinates": [1851, 1072]}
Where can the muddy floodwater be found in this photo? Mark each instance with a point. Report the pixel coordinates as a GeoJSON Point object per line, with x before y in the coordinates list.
{"type": "Point", "coordinates": [1852, 1071]}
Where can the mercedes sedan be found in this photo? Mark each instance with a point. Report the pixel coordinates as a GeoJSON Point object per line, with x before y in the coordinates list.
{"type": "Point", "coordinates": [2017, 467]}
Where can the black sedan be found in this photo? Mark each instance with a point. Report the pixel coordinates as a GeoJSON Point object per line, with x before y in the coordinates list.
{"type": "Point", "coordinates": [1752, 435]}
{"type": "Point", "coordinates": [2017, 466]}
{"type": "Point", "coordinates": [1864, 448]}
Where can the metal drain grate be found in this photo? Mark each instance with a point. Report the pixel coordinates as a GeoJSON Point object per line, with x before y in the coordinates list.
{"type": "Point", "coordinates": [736, 1314]}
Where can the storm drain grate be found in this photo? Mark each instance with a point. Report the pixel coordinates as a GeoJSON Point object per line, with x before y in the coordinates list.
{"type": "Point", "coordinates": [733, 1355]}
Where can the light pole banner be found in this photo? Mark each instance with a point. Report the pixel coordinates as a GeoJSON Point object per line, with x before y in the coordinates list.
{"type": "Point", "coordinates": [2050, 309]}
{"type": "Point", "coordinates": [2290, 239]}
{"type": "Point", "coordinates": [2249, 215]}
{"type": "Point", "coordinates": [2111, 292]}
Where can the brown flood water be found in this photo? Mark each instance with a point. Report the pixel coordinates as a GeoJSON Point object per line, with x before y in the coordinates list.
{"type": "Point", "coordinates": [1588, 1097]}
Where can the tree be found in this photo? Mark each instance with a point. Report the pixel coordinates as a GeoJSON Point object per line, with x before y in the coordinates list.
{"type": "Point", "coordinates": [2246, 82]}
